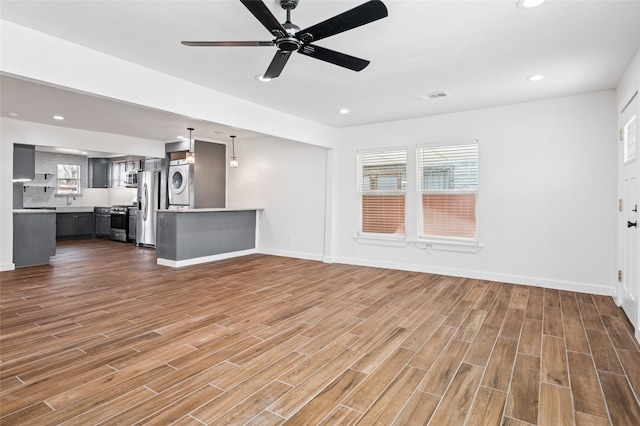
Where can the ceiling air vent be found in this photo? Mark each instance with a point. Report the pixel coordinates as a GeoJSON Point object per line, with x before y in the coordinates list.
{"type": "Point", "coordinates": [433, 95]}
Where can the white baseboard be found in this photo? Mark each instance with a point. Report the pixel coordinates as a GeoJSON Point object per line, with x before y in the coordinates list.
{"type": "Point", "coordinates": [482, 275]}
{"type": "Point", "coordinates": [8, 267]}
{"type": "Point", "coordinates": [294, 254]}
{"type": "Point", "coordinates": [204, 259]}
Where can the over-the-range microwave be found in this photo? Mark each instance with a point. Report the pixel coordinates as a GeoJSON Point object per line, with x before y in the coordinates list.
{"type": "Point", "coordinates": [131, 179]}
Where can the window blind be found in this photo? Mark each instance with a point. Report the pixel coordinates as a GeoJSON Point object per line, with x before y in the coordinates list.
{"type": "Point", "coordinates": [448, 190]}
{"type": "Point", "coordinates": [382, 181]}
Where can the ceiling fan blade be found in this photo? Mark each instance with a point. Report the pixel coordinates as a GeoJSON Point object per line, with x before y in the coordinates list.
{"type": "Point", "coordinates": [277, 64]}
{"type": "Point", "coordinates": [336, 58]}
{"type": "Point", "coordinates": [228, 43]}
{"type": "Point", "coordinates": [266, 18]}
{"type": "Point", "coordinates": [353, 18]}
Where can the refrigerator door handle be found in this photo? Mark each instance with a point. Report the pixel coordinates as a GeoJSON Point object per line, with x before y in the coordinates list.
{"type": "Point", "coordinates": [146, 202]}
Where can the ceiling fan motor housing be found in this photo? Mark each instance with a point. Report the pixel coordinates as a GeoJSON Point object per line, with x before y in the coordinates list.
{"type": "Point", "coordinates": [289, 4]}
{"type": "Point", "coordinates": [290, 43]}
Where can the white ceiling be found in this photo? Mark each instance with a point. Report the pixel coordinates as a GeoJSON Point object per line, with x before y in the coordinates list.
{"type": "Point", "coordinates": [478, 51]}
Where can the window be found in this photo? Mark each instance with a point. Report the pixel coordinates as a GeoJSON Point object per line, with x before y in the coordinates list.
{"type": "Point", "coordinates": [68, 179]}
{"type": "Point", "coordinates": [382, 181]}
{"type": "Point", "coordinates": [448, 191]}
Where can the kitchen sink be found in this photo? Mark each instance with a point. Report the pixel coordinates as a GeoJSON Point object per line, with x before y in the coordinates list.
{"type": "Point", "coordinates": [74, 209]}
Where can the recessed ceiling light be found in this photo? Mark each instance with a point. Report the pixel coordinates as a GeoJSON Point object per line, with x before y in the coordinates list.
{"type": "Point", "coordinates": [14, 114]}
{"type": "Point", "coordinates": [535, 77]}
{"type": "Point", "coordinates": [58, 117]}
{"type": "Point", "coordinates": [261, 77]}
{"type": "Point", "coordinates": [528, 4]}
{"type": "Point", "coordinates": [344, 111]}
{"type": "Point", "coordinates": [180, 137]}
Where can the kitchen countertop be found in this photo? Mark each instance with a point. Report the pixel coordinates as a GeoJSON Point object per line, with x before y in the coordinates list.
{"type": "Point", "coordinates": [33, 211]}
{"type": "Point", "coordinates": [59, 209]}
{"type": "Point", "coordinates": [207, 210]}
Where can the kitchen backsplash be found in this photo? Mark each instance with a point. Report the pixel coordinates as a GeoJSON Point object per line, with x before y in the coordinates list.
{"type": "Point", "coordinates": [102, 197]}
{"type": "Point", "coordinates": [41, 193]}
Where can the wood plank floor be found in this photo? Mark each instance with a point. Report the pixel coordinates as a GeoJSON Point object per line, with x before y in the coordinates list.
{"type": "Point", "coordinates": [106, 336]}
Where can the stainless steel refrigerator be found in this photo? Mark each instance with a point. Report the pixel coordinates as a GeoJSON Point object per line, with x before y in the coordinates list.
{"type": "Point", "coordinates": [149, 201]}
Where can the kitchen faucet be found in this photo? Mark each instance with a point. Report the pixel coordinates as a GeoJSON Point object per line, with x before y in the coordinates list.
{"type": "Point", "coordinates": [74, 198]}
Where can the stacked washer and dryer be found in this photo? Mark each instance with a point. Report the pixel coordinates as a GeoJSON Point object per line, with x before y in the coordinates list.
{"type": "Point", "coordinates": [180, 183]}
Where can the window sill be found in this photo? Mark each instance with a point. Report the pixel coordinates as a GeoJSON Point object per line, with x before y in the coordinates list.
{"type": "Point", "coordinates": [429, 245]}
{"type": "Point", "coordinates": [382, 240]}
{"type": "Point", "coordinates": [457, 246]}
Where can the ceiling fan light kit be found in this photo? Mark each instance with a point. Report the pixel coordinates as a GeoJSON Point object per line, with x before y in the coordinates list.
{"type": "Point", "coordinates": [289, 37]}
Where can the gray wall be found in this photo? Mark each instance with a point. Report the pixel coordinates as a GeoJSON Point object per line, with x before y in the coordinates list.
{"type": "Point", "coordinates": [209, 176]}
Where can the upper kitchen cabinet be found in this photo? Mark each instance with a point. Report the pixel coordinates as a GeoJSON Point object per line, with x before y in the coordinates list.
{"type": "Point", "coordinates": [24, 162]}
{"type": "Point", "coordinates": [98, 173]}
{"type": "Point", "coordinates": [113, 172]}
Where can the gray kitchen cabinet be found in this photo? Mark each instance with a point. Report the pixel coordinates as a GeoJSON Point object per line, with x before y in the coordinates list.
{"type": "Point", "coordinates": [74, 225]}
{"type": "Point", "coordinates": [98, 173]}
{"type": "Point", "coordinates": [153, 163]}
{"type": "Point", "coordinates": [24, 161]}
{"type": "Point", "coordinates": [34, 239]}
{"type": "Point", "coordinates": [103, 222]}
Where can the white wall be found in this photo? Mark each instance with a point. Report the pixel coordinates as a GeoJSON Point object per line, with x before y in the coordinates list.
{"type": "Point", "coordinates": [547, 187]}
{"type": "Point", "coordinates": [630, 81]}
{"type": "Point", "coordinates": [287, 179]}
{"type": "Point", "coordinates": [6, 205]}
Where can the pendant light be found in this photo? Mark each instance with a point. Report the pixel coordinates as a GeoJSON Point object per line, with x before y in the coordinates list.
{"type": "Point", "coordinates": [191, 155]}
{"type": "Point", "coordinates": [233, 163]}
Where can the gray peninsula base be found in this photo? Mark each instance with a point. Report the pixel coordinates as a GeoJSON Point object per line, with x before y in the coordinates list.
{"type": "Point", "coordinates": [192, 236]}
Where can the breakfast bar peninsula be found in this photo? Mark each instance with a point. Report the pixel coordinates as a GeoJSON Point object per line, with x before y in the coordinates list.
{"type": "Point", "coordinates": [191, 236]}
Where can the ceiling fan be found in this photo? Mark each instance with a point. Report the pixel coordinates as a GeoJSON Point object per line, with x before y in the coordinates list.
{"type": "Point", "coordinates": [289, 37]}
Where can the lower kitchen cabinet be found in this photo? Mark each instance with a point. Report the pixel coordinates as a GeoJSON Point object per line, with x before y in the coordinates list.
{"type": "Point", "coordinates": [74, 225]}
{"type": "Point", "coordinates": [103, 222]}
{"type": "Point", "coordinates": [33, 237]}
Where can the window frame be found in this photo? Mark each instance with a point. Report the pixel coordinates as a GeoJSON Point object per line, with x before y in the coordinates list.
{"type": "Point", "coordinates": [363, 236]}
{"type": "Point", "coordinates": [77, 187]}
{"type": "Point", "coordinates": [445, 242]}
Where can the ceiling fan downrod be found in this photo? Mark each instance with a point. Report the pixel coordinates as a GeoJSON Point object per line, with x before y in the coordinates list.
{"type": "Point", "coordinates": [290, 43]}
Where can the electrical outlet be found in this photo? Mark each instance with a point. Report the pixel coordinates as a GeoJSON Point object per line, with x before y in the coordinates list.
{"type": "Point", "coordinates": [429, 249]}
{"type": "Point", "coordinates": [289, 238]}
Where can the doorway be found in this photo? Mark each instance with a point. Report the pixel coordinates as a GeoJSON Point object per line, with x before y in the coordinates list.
{"type": "Point", "coordinates": [629, 247]}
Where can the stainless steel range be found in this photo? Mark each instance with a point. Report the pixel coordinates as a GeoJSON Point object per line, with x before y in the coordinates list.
{"type": "Point", "coordinates": [119, 223]}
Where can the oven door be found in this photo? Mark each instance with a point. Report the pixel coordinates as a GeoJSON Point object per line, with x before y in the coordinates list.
{"type": "Point", "coordinates": [118, 220]}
